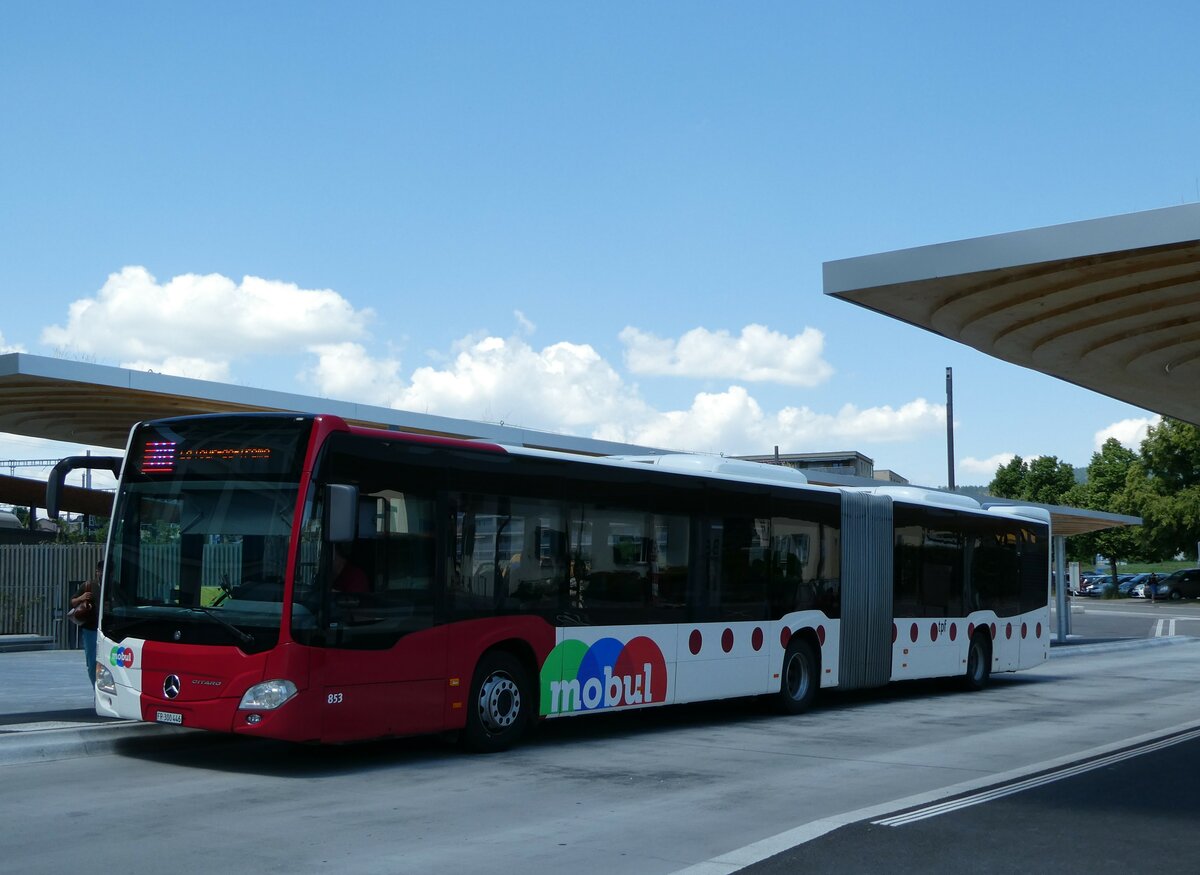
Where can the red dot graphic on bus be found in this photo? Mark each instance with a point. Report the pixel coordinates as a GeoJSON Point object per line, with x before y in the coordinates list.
{"type": "Point", "coordinates": [1008, 631]}
{"type": "Point", "coordinates": [1039, 630]}
{"type": "Point", "coordinates": [993, 631]}
{"type": "Point", "coordinates": [970, 630]}
{"type": "Point", "coordinates": [756, 638]}
{"type": "Point", "coordinates": [694, 641]}
{"type": "Point", "coordinates": [953, 631]}
{"type": "Point", "coordinates": [1024, 630]}
{"type": "Point", "coordinates": [632, 664]}
{"type": "Point", "coordinates": [727, 640]}
{"type": "Point", "coordinates": [893, 633]}
{"type": "Point", "coordinates": [785, 635]}
{"type": "Point", "coordinates": [933, 631]}
{"type": "Point", "coordinates": [912, 633]}
{"type": "Point", "coordinates": [821, 635]}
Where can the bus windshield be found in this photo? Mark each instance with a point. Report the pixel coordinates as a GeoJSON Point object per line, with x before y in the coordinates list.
{"type": "Point", "coordinates": [200, 541]}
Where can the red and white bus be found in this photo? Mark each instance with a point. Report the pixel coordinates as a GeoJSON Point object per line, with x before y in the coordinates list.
{"type": "Point", "coordinates": [293, 577]}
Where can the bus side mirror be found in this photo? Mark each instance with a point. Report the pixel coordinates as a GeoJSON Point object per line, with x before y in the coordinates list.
{"type": "Point", "coordinates": [341, 513]}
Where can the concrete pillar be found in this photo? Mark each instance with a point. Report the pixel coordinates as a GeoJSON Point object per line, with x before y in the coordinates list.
{"type": "Point", "coordinates": [1060, 595]}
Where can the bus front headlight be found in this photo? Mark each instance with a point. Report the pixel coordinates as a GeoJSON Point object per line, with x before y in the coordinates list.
{"type": "Point", "coordinates": [267, 696]}
{"type": "Point", "coordinates": [105, 682]}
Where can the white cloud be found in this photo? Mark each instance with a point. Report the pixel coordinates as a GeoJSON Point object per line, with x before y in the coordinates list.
{"type": "Point", "coordinates": [527, 327]}
{"type": "Point", "coordinates": [756, 355]}
{"type": "Point", "coordinates": [1130, 432]}
{"type": "Point", "coordinates": [562, 386]}
{"type": "Point", "coordinates": [569, 387]}
{"type": "Point", "coordinates": [5, 348]}
{"type": "Point", "coordinates": [196, 325]}
{"type": "Point", "coordinates": [345, 370]}
{"type": "Point", "coordinates": [985, 467]}
{"type": "Point", "coordinates": [733, 422]}
{"type": "Point", "coordinates": [184, 366]}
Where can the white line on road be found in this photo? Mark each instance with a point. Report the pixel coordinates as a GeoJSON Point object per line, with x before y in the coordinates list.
{"type": "Point", "coordinates": [739, 858]}
{"type": "Point", "coordinates": [1164, 625]}
{"type": "Point", "coordinates": [1001, 792]}
{"type": "Point", "coordinates": [1107, 613]}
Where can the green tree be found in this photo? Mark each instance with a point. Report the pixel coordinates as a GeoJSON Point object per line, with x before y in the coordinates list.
{"type": "Point", "coordinates": [1009, 481]}
{"type": "Point", "coordinates": [1106, 490]}
{"type": "Point", "coordinates": [1043, 480]}
{"type": "Point", "coordinates": [1049, 480]}
{"type": "Point", "coordinates": [1166, 488]}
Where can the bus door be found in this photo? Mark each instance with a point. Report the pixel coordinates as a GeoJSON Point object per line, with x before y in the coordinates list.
{"type": "Point", "coordinates": [380, 662]}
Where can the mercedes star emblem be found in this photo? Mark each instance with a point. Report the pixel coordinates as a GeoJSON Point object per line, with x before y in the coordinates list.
{"type": "Point", "coordinates": [171, 686]}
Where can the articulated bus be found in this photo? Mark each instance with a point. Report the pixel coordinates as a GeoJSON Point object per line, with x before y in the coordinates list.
{"type": "Point", "coordinates": [293, 577]}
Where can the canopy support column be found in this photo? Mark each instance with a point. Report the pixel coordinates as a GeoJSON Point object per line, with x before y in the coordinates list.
{"type": "Point", "coordinates": [1060, 588]}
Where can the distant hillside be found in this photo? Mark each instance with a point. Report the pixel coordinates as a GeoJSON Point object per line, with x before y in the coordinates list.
{"type": "Point", "coordinates": [976, 492]}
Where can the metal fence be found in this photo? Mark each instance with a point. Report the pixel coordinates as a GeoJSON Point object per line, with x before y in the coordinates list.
{"type": "Point", "coordinates": [36, 585]}
{"type": "Point", "coordinates": [38, 580]}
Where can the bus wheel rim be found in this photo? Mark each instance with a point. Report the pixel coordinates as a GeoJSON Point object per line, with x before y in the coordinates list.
{"type": "Point", "coordinates": [499, 702]}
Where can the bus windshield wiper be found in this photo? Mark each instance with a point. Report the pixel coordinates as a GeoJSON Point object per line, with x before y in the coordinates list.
{"type": "Point", "coordinates": [244, 637]}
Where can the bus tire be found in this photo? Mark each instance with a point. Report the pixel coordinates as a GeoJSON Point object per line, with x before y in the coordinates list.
{"type": "Point", "coordinates": [979, 662]}
{"type": "Point", "coordinates": [799, 679]}
{"type": "Point", "coordinates": [498, 710]}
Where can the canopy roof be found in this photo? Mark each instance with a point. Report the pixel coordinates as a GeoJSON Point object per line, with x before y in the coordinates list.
{"type": "Point", "coordinates": [1110, 304]}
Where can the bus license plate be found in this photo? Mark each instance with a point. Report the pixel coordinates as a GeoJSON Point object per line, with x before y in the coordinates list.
{"type": "Point", "coordinates": [168, 717]}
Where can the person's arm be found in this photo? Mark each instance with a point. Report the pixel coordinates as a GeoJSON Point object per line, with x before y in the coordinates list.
{"type": "Point", "coordinates": [83, 594]}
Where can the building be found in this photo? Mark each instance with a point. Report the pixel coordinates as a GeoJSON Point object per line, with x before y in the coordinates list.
{"type": "Point", "coordinates": [847, 464]}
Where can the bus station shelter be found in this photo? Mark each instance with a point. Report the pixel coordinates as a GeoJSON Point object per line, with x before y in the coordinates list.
{"type": "Point", "coordinates": [1110, 304]}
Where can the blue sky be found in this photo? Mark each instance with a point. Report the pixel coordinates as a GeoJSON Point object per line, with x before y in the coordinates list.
{"type": "Point", "coordinates": [603, 219]}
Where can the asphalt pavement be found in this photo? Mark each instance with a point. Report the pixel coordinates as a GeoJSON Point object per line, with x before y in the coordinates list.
{"type": "Point", "coordinates": [46, 710]}
{"type": "Point", "coordinates": [1136, 807]}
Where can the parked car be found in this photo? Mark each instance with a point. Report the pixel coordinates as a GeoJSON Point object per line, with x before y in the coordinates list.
{"type": "Point", "coordinates": [1085, 581]}
{"type": "Point", "coordinates": [1097, 584]}
{"type": "Point", "coordinates": [1182, 584]}
{"type": "Point", "coordinates": [1095, 587]}
{"type": "Point", "coordinates": [1126, 586]}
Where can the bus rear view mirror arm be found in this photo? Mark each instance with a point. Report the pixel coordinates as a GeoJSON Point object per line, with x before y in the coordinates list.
{"type": "Point", "coordinates": [58, 476]}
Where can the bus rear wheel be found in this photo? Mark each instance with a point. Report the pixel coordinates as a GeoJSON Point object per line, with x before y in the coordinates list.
{"type": "Point", "coordinates": [979, 663]}
{"type": "Point", "coordinates": [499, 707]}
{"type": "Point", "coordinates": [799, 679]}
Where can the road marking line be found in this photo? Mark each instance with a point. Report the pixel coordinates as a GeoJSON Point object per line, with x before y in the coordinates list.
{"type": "Point", "coordinates": [1099, 610]}
{"type": "Point", "coordinates": [739, 858]}
{"type": "Point", "coordinates": [1001, 792]}
{"type": "Point", "coordinates": [1158, 629]}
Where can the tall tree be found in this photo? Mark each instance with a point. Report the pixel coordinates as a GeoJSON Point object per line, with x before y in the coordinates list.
{"type": "Point", "coordinates": [1049, 480]}
{"type": "Point", "coordinates": [1105, 490]}
{"type": "Point", "coordinates": [1168, 496]}
{"type": "Point", "coordinates": [1044, 480]}
{"type": "Point", "coordinates": [1009, 481]}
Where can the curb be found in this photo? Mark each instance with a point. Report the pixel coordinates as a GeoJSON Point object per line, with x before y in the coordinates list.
{"type": "Point", "coordinates": [1069, 649]}
{"type": "Point", "coordinates": [96, 739]}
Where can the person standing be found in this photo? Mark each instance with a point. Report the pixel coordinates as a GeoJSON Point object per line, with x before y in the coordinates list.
{"type": "Point", "coordinates": [85, 613]}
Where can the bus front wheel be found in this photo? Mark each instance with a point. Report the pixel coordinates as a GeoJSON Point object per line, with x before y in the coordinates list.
{"type": "Point", "coordinates": [799, 679]}
{"type": "Point", "coordinates": [499, 707]}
